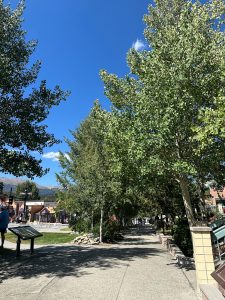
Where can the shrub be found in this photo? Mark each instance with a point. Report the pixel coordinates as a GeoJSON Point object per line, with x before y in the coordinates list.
{"type": "Point", "coordinates": [95, 230]}
{"type": "Point", "coordinates": [80, 224]}
{"type": "Point", "coordinates": [110, 231]}
{"type": "Point", "coordinates": [182, 237]}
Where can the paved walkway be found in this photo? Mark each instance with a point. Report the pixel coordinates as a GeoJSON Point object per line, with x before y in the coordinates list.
{"type": "Point", "coordinates": [137, 268]}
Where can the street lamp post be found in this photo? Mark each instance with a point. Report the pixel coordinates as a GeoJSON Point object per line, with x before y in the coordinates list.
{"type": "Point", "coordinates": [10, 202]}
{"type": "Point", "coordinates": [25, 204]}
{"type": "Point", "coordinates": [26, 194]}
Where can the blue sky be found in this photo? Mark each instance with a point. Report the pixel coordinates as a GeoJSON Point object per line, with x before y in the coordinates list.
{"type": "Point", "coordinates": [77, 38]}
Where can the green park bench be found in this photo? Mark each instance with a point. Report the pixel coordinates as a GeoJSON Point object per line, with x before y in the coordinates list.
{"type": "Point", "coordinates": [25, 233]}
{"type": "Point", "coordinates": [217, 223]}
{"type": "Point", "coordinates": [218, 239]}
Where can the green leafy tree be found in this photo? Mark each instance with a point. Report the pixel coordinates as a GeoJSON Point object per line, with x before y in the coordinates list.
{"type": "Point", "coordinates": [22, 113]}
{"type": "Point", "coordinates": [171, 86]}
{"type": "Point", "coordinates": [121, 166]}
{"type": "Point", "coordinates": [85, 176]}
{"type": "Point", "coordinates": [30, 187]}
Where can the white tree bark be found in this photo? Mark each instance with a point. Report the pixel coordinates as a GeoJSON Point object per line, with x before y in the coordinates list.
{"type": "Point", "coordinates": [101, 223]}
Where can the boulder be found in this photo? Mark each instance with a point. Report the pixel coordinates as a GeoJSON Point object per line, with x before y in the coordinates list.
{"type": "Point", "coordinates": [86, 239]}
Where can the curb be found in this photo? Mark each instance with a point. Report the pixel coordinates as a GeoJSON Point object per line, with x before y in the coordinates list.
{"type": "Point", "coordinates": [168, 243]}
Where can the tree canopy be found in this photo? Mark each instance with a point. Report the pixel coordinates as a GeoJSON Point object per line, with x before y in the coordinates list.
{"type": "Point", "coordinates": [172, 86]}
{"type": "Point", "coordinates": [29, 187]}
{"type": "Point", "coordinates": [158, 143]}
{"type": "Point", "coordinates": [23, 107]}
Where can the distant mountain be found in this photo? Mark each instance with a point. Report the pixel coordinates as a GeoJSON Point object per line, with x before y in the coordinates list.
{"type": "Point", "coordinates": [13, 182]}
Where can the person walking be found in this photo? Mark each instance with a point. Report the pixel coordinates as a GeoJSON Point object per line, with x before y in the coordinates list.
{"type": "Point", "coordinates": [4, 221]}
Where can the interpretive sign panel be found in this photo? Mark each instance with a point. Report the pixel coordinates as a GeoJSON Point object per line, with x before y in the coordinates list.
{"type": "Point", "coordinates": [25, 232]}
{"type": "Point", "coordinates": [219, 276]}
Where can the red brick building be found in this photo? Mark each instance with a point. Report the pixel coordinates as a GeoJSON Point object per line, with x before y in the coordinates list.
{"type": "Point", "coordinates": [217, 198]}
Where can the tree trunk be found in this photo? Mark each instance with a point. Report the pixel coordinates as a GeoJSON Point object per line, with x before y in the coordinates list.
{"type": "Point", "coordinates": [187, 200]}
{"type": "Point", "coordinates": [123, 221]}
{"type": "Point", "coordinates": [202, 201]}
{"type": "Point", "coordinates": [92, 221]}
{"type": "Point", "coordinates": [101, 223]}
{"type": "Point", "coordinates": [162, 223]}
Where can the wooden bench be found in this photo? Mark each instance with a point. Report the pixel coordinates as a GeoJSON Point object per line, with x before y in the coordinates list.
{"type": "Point", "coordinates": [25, 233]}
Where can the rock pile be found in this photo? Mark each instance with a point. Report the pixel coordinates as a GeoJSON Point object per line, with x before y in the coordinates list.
{"type": "Point", "coordinates": [87, 239]}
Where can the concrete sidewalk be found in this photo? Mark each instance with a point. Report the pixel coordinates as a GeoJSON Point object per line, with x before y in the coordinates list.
{"type": "Point", "coordinates": [137, 268]}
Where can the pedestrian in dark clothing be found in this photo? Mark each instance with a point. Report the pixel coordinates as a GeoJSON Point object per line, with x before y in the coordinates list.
{"type": "Point", "coordinates": [4, 221]}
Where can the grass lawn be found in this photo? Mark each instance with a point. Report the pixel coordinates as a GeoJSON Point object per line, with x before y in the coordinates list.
{"type": "Point", "coordinates": [47, 238]}
{"type": "Point", "coordinates": [66, 228]}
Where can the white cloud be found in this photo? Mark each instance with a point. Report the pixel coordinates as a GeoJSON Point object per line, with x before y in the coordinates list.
{"type": "Point", "coordinates": [54, 156]}
{"type": "Point", "coordinates": [138, 45]}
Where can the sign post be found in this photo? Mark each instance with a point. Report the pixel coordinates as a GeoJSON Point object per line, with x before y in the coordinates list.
{"type": "Point", "coordinates": [25, 233]}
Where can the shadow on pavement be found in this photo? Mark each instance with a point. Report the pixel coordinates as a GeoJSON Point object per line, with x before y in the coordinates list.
{"type": "Point", "coordinates": [140, 230]}
{"type": "Point", "coordinates": [136, 241]}
{"type": "Point", "coordinates": [73, 260]}
{"type": "Point", "coordinates": [190, 267]}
